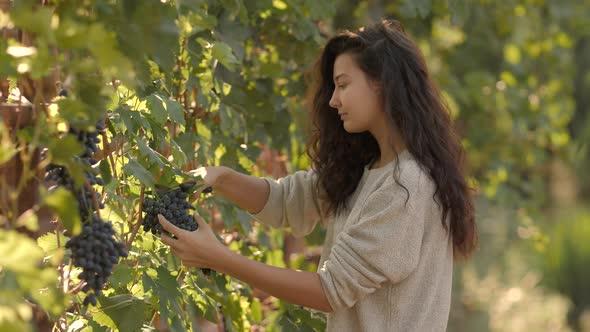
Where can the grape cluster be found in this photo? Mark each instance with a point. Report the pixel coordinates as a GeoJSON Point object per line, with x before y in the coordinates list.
{"type": "Point", "coordinates": [59, 176]}
{"type": "Point", "coordinates": [89, 140]}
{"type": "Point", "coordinates": [86, 202]}
{"type": "Point", "coordinates": [96, 251]}
{"type": "Point", "coordinates": [173, 205]}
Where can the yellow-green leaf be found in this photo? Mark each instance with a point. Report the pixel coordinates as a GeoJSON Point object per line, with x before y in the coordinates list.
{"type": "Point", "coordinates": [19, 253]}
{"type": "Point", "coordinates": [63, 202]}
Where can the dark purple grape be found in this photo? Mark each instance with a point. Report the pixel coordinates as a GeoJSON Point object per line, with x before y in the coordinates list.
{"type": "Point", "coordinates": [173, 205]}
{"type": "Point", "coordinates": [96, 251]}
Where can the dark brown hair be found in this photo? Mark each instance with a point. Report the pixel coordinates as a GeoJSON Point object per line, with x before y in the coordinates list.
{"type": "Point", "coordinates": [413, 103]}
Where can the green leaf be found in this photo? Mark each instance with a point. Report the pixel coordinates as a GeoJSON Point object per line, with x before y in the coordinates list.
{"type": "Point", "coordinates": [46, 292]}
{"type": "Point", "coordinates": [165, 287]}
{"type": "Point", "coordinates": [256, 310]}
{"type": "Point", "coordinates": [144, 176]}
{"type": "Point", "coordinates": [180, 157]}
{"type": "Point", "coordinates": [203, 132]}
{"type": "Point", "coordinates": [63, 150]}
{"type": "Point", "coordinates": [122, 275]}
{"type": "Point", "coordinates": [63, 202]}
{"type": "Point", "coordinates": [105, 171]}
{"type": "Point", "coordinates": [7, 152]}
{"type": "Point", "coordinates": [245, 220]}
{"type": "Point", "coordinates": [37, 21]}
{"type": "Point", "coordinates": [288, 325]}
{"type": "Point", "coordinates": [104, 47]}
{"type": "Point", "coordinates": [7, 148]}
{"type": "Point", "coordinates": [73, 111]}
{"type": "Point", "coordinates": [168, 289]}
{"type": "Point", "coordinates": [157, 108]}
{"type": "Point", "coordinates": [165, 37]}
{"type": "Point", "coordinates": [176, 111]}
{"type": "Point", "coordinates": [13, 324]}
{"type": "Point", "coordinates": [163, 108]}
{"type": "Point", "coordinates": [19, 253]}
{"type": "Point", "coordinates": [233, 33]}
{"type": "Point", "coordinates": [48, 242]}
{"type": "Point", "coordinates": [29, 220]}
{"type": "Point", "coordinates": [146, 151]}
{"type": "Point", "coordinates": [121, 312]}
{"type": "Point", "coordinates": [222, 52]}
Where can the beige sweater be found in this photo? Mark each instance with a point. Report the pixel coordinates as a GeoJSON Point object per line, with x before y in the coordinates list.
{"type": "Point", "coordinates": [385, 266]}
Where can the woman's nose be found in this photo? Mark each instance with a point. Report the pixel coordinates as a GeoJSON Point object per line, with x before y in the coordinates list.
{"type": "Point", "coordinates": [334, 102]}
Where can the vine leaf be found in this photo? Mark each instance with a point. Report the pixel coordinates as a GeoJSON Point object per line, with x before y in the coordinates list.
{"type": "Point", "coordinates": [63, 202]}
{"type": "Point", "coordinates": [140, 173]}
{"type": "Point", "coordinates": [121, 312]}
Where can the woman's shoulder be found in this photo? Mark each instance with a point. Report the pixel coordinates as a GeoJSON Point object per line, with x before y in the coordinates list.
{"type": "Point", "coordinates": [407, 174]}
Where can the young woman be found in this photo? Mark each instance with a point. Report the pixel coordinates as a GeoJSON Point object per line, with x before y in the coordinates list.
{"type": "Point", "coordinates": [387, 183]}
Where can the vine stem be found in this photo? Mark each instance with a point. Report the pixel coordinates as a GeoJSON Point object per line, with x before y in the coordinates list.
{"type": "Point", "coordinates": [153, 318]}
{"type": "Point", "coordinates": [139, 219]}
{"type": "Point", "coordinates": [77, 288]}
{"type": "Point", "coordinates": [26, 155]}
{"type": "Point", "coordinates": [105, 144]}
{"type": "Point", "coordinates": [94, 200]}
{"type": "Point", "coordinates": [61, 264]}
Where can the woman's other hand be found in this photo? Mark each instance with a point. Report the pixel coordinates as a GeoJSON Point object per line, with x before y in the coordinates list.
{"type": "Point", "coordinates": [199, 248]}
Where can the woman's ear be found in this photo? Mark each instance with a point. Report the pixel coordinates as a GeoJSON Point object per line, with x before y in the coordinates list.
{"type": "Point", "coordinates": [377, 87]}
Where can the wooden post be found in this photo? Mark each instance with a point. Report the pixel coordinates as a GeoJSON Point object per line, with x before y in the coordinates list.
{"type": "Point", "coordinates": [16, 117]}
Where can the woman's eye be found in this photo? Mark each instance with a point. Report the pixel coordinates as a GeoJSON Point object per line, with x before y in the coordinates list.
{"type": "Point", "coordinates": [341, 86]}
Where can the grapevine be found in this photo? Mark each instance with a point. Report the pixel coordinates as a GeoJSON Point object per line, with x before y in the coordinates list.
{"type": "Point", "coordinates": [95, 250]}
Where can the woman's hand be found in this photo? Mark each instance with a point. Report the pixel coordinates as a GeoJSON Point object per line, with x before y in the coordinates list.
{"type": "Point", "coordinates": [199, 248]}
{"type": "Point", "coordinates": [202, 249]}
{"type": "Point", "coordinates": [209, 174]}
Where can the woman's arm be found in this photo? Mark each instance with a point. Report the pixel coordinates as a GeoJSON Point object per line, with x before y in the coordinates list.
{"type": "Point", "coordinates": [298, 287]}
{"type": "Point", "coordinates": [289, 202]}
{"type": "Point", "coordinates": [202, 249]}
{"type": "Point", "coordinates": [248, 192]}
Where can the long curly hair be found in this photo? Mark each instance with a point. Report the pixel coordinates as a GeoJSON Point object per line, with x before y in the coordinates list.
{"type": "Point", "coordinates": [387, 55]}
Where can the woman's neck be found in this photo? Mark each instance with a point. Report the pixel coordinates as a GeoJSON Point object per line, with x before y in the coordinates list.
{"type": "Point", "coordinates": [390, 142]}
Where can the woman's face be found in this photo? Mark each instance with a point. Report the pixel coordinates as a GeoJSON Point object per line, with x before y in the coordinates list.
{"type": "Point", "coordinates": [355, 97]}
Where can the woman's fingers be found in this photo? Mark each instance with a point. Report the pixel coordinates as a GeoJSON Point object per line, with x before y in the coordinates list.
{"type": "Point", "coordinates": [167, 240]}
{"type": "Point", "coordinates": [200, 221]}
{"type": "Point", "coordinates": [169, 227]}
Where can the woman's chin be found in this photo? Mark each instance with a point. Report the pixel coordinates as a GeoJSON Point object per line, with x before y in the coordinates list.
{"type": "Point", "coordinates": [350, 128]}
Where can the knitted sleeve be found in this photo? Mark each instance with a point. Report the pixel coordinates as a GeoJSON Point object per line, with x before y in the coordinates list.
{"type": "Point", "coordinates": [292, 203]}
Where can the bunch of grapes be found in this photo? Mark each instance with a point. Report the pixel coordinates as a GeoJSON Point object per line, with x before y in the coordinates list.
{"type": "Point", "coordinates": [173, 205]}
{"type": "Point", "coordinates": [86, 203]}
{"type": "Point", "coordinates": [58, 175]}
{"type": "Point", "coordinates": [89, 140]}
{"type": "Point", "coordinates": [96, 251]}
